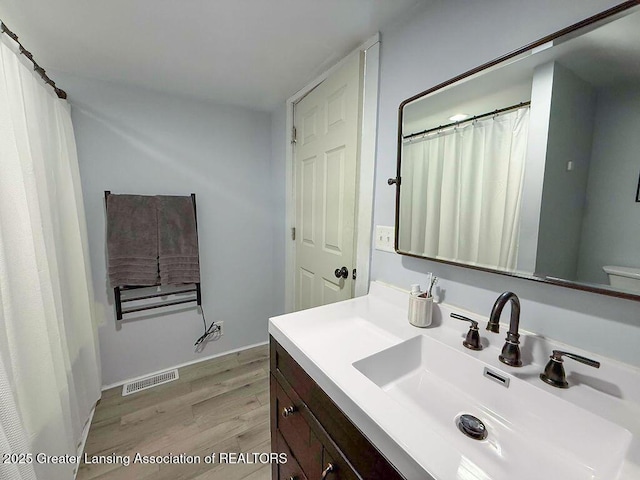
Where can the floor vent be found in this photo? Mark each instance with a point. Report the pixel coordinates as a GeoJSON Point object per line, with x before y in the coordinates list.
{"type": "Point", "coordinates": [149, 382]}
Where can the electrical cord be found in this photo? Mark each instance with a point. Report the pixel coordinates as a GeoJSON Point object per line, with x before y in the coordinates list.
{"type": "Point", "coordinates": [208, 332]}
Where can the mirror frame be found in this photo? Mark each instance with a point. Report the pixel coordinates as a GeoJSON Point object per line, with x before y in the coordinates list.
{"type": "Point", "coordinates": [397, 180]}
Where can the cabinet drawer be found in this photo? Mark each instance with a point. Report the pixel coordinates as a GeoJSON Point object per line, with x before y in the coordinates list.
{"type": "Point", "coordinates": [304, 444]}
{"type": "Point", "coordinates": [290, 470]}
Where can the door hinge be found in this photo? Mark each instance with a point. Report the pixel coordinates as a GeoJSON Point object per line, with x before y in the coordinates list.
{"type": "Point", "coordinates": [293, 233]}
{"type": "Point", "coordinates": [294, 136]}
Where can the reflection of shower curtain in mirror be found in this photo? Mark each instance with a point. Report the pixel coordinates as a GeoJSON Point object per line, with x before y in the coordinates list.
{"type": "Point", "coordinates": [461, 192]}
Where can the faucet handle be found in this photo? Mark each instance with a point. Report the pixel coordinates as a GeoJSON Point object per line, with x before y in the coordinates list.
{"type": "Point", "coordinates": [474, 324]}
{"type": "Point", "coordinates": [472, 342]}
{"type": "Point", "coordinates": [554, 373]}
{"type": "Point", "coordinates": [558, 354]}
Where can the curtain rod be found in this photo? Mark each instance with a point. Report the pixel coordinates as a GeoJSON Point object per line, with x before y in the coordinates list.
{"type": "Point", "coordinates": [37, 68]}
{"type": "Point", "coordinates": [472, 119]}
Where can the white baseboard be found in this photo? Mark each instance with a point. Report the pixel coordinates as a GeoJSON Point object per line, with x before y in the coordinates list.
{"type": "Point", "coordinates": [192, 362]}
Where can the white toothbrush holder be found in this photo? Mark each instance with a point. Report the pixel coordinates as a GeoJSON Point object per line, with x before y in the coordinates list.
{"type": "Point", "coordinates": [420, 311]}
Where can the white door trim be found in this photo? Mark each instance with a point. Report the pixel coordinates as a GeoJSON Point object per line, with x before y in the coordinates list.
{"type": "Point", "coordinates": [364, 232]}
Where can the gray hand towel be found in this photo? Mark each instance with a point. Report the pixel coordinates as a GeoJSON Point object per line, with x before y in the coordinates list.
{"type": "Point", "coordinates": [132, 240]}
{"type": "Point", "coordinates": [177, 241]}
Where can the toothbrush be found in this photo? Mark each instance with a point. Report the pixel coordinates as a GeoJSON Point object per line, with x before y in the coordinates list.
{"type": "Point", "coordinates": [425, 294]}
{"type": "Point", "coordinates": [432, 283]}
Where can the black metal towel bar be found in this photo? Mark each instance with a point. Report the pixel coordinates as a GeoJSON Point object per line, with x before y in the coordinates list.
{"type": "Point", "coordinates": [117, 291]}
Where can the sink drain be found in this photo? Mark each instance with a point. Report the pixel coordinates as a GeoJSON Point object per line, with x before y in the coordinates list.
{"type": "Point", "coordinates": [472, 427]}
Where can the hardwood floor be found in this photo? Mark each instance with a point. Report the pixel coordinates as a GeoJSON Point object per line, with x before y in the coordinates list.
{"type": "Point", "coordinates": [221, 406]}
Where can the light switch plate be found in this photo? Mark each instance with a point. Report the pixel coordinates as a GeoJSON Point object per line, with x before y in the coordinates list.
{"type": "Point", "coordinates": [384, 238]}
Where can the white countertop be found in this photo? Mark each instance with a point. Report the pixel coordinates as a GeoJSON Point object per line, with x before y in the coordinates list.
{"type": "Point", "coordinates": [327, 340]}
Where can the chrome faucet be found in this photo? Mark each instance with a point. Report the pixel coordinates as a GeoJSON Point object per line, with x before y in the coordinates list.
{"type": "Point", "coordinates": [511, 351]}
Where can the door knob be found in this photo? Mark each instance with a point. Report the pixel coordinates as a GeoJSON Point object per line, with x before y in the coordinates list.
{"type": "Point", "coordinates": [342, 272]}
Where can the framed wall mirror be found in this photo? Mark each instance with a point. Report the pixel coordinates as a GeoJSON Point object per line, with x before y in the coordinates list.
{"type": "Point", "coordinates": [528, 165]}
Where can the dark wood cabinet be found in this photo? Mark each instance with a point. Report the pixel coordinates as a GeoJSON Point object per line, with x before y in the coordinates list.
{"type": "Point", "coordinates": [318, 438]}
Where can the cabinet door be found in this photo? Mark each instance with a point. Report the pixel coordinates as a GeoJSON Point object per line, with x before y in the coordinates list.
{"type": "Point", "coordinates": [290, 470]}
{"type": "Point", "coordinates": [304, 444]}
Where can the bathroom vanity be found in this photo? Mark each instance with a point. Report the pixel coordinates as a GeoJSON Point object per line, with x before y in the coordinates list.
{"type": "Point", "coordinates": [318, 439]}
{"type": "Point", "coordinates": [508, 188]}
{"type": "Point", "coordinates": [358, 392]}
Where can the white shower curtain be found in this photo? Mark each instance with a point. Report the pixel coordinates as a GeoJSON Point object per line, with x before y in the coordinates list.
{"type": "Point", "coordinates": [461, 192]}
{"type": "Point", "coordinates": [49, 372]}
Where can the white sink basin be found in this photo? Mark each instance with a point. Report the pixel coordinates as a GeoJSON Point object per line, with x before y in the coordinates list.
{"type": "Point", "coordinates": [530, 430]}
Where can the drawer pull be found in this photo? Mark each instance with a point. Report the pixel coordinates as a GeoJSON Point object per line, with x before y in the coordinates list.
{"type": "Point", "coordinates": [286, 411]}
{"type": "Point", "coordinates": [330, 468]}
{"type": "Point", "coordinates": [292, 477]}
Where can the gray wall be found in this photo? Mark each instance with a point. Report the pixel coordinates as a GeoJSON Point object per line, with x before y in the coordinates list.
{"type": "Point", "coordinates": [564, 192]}
{"type": "Point", "coordinates": [611, 225]}
{"type": "Point", "coordinates": [132, 140]}
{"type": "Point", "coordinates": [423, 52]}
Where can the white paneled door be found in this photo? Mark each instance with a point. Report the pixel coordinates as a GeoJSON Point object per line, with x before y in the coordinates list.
{"type": "Point", "coordinates": [327, 123]}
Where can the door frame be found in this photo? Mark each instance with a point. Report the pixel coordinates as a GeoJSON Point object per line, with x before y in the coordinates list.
{"type": "Point", "coordinates": [365, 175]}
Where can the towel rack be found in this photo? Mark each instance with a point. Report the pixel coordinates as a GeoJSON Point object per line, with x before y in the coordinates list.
{"type": "Point", "coordinates": [117, 291]}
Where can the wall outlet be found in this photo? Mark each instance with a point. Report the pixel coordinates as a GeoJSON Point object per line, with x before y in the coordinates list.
{"type": "Point", "coordinates": [220, 328]}
{"type": "Point", "coordinates": [385, 237]}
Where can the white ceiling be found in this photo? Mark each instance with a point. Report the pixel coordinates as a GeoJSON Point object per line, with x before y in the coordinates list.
{"type": "Point", "coordinates": [254, 53]}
